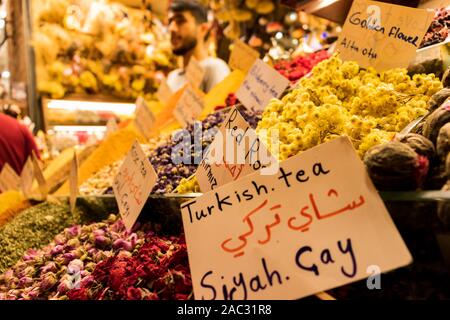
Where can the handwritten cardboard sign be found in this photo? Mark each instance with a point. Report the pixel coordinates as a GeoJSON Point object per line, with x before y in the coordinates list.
{"type": "Point", "coordinates": [9, 180]}
{"type": "Point", "coordinates": [243, 56]}
{"type": "Point", "coordinates": [133, 184]}
{"type": "Point", "coordinates": [317, 224]}
{"type": "Point", "coordinates": [164, 92]}
{"type": "Point", "coordinates": [73, 182]}
{"type": "Point", "coordinates": [39, 175]}
{"type": "Point", "coordinates": [27, 177]}
{"type": "Point", "coordinates": [145, 119]}
{"type": "Point", "coordinates": [235, 152]}
{"type": "Point", "coordinates": [381, 35]}
{"type": "Point", "coordinates": [261, 84]}
{"type": "Point", "coordinates": [189, 106]}
{"type": "Point", "coordinates": [194, 73]}
{"type": "Point", "coordinates": [111, 126]}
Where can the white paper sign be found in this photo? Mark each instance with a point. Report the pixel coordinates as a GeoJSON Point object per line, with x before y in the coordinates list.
{"type": "Point", "coordinates": [243, 56]}
{"type": "Point", "coordinates": [235, 152]}
{"type": "Point", "coordinates": [317, 224]}
{"type": "Point", "coordinates": [261, 84]}
{"type": "Point", "coordinates": [111, 126]}
{"type": "Point", "coordinates": [164, 92]}
{"type": "Point", "coordinates": [145, 119]}
{"type": "Point", "coordinates": [133, 184]}
{"type": "Point", "coordinates": [43, 188]}
{"type": "Point", "coordinates": [73, 182]}
{"type": "Point", "coordinates": [189, 106]}
{"type": "Point", "coordinates": [194, 73]}
{"type": "Point", "coordinates": [27, 177]}
{"type": "Point", "coordinates": [9, 180]}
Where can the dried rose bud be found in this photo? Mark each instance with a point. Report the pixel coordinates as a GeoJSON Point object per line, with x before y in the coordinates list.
{"type": "Point", "coordinates": [72, 231]}
{"type": "Point", "coordinates": [49, 267]}
{"type": "Point", "coordinates": [25, 281]}
{"type": "Point", "coordinates": [48, 281]}
{"type": "Point", "coordinates": [69, 257]}
{"type": "Point", "coordinates": [57, 250]}
{"type": "Point", "coordinates": [64, 286]}
{"type": "Point", "coordinates": [99, 232]}
{"type": "Point", "coordinates": [102, 241]}
{"type": "Point", "coordinates": [73, 243]}
{"type": "Point", "coordinates": [30, 255]}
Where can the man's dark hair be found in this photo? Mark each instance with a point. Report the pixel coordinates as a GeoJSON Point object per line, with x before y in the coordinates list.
{"type": "Point", "coordinates": [199, 11]}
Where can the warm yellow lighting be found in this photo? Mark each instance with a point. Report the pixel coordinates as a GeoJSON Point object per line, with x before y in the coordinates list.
{"type": "Point", "coordinates": [99, 129]}
{"type": "Point", "coordinates": [121, 109]}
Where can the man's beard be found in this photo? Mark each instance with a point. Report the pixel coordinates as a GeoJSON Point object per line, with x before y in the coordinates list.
{"type": "Point", "coordinates": [189, 44]}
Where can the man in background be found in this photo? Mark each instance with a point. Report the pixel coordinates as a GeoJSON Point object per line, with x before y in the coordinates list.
{"type": "Point", "coordinates": [16, 143]}
{"type": "Point", "coordinates": [188, 27]}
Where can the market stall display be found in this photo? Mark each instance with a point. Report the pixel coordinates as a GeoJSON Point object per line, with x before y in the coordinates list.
{"type": "Point", "coordinates": [33, 228]}
{"type": "Point", "coordinates": [112, 149]}
{"type": "Point", "coordinates": [101, 181]}
{"type": "Point", "coordinates": [91, 47]}
{"type": "Point", "coordinates": [439, 29]}
{"type": "Point", "coordinates": [102, 261]}
{"type": "Point", "coordinates": [340, 98]}
{"type": "Point", "coordinates": [274, 30]}
{"type": "Point", "coordinates": [299, 67]}
{"type": "Point", "coordinates": [167, 155]}
{"type": "Point", "coordinates": [398, 122]}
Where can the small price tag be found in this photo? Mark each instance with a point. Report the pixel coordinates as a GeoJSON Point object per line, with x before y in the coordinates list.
{"type": "Point", "coordinates": [111, 126]}
{"type": "Point", "coordinates": [133, 184]}
{"type": "Point", "coordinates": [242, 57]}
{"type": "Point", "coordinates": [27, 177]}
{"type": "Point", "coordinates": [194, 73]}
{"type": "Point", "coordinates": [164, 92]}
{"type": "Point", "coordinates": [9, 180]}
{"type": "Point", "coordinates": [261, 84]}
{"type": "Point", "coordinates": [145, 119]}
{"type": "Point", "coordinates": [235, 152]}
{"type": "Point", "coordinates": [73, 183]}
{"type": "Point", "coordinates": [39, 177]}
{"type": "Point", "coordinates": [189, 106]}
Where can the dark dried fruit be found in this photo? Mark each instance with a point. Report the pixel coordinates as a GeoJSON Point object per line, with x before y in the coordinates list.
{"type": "Point", "coordinates": [396, 166]}
{"type": "Point", "coordinates": [436, 121]}
{"type": "Point", "coordinates": [436, 178]}
{"type": "Point", "coordinates": [446, 78]}
{"type": "Point", "coordinates": [447, 166]}
{"type": "Point", "coordinates": [443, 142]}
{"type": "Point", "coordinates": [419, 144]}
{"type": "Point", "coordinates": [418, 128]}
{"type": "Point", "coordinates": [438, 99]}
{"type": "Point", "coordinates": [443, 211]}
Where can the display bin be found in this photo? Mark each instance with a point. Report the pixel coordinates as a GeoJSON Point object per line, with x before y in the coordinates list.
{"type": "Point", "coordinates": [422, 218]}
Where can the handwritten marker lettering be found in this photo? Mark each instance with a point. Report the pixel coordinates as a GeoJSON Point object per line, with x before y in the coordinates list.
{"type": "Point", "coordinates": [261, 85]}
{"type": "Point", "coordinates": [236, 151]}
{"type": "Point", "coordinates": [326, 257]}
{"type": "Point", "coordinates": [133, 184]}
{"type": "Point", "coordinates": [318, 221]}
{"type": "Point", "coordinates": [242, 286]}
{"type": "Point", "coordinates": [290, 222]}
{"type": "Point", "coordinates": [381, 35]}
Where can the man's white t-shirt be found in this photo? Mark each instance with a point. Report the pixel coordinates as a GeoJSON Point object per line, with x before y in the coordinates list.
{"type": "Point", "coordinates": [215, 71]}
